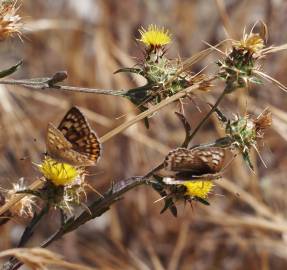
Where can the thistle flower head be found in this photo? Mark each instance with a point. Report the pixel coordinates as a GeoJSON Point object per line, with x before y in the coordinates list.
{"type": "Point", "coordinates": [10, 21]}
{"type": "Point", "coordinates": [154, 36]}
{"type": "Point", "coordinates": [199, 189]}
{"type": "Point", "coordinates": [251, 42]}
{"type": "Point", "coordinates": [186, 191]}
{"type": "Point", "coordinates": [244, 132]}
{"type": "Point", "coordinates": [238, 69]}
{"type": "Point", "coordinates": [64, 186]}
{"type": "Point", "coordinates": [60, 174]}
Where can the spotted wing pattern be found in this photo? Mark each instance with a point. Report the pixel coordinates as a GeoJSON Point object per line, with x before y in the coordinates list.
{"type": "Point", "coordinates": [188, 163]}
{"type": "Point", "coordinates": [74, 141]}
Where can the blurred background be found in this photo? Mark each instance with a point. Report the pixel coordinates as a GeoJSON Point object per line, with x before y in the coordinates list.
{"type": "Point", "coordinates": [246, 224]}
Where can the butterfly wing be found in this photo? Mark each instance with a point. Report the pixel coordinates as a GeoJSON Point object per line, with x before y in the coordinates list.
{"type": "Point", "coordinates": [73, 142]}
{"type": "Point", "coordinates": [55, 140]}
{"type": "Point", "coordinates": [211, 159]}
{"type": "Point", "coordinates": [185, 163]}
{"type": "Point", "coordinates": [79, 134]}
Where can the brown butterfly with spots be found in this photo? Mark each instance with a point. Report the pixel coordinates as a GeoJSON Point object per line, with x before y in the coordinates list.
{"type": "Point", "coordinates": [73, 142]}
{"type": "Point", "coordinates": [184, 164]}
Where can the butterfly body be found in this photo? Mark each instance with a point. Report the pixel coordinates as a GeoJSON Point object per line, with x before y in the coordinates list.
{"type": "Point", "coordinates": [73, 142]}
{"type": "Point", "coordinates": [186, 164]}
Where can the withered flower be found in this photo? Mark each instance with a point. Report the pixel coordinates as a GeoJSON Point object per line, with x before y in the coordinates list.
{"type": "Point", "coordinates": [10, 22]}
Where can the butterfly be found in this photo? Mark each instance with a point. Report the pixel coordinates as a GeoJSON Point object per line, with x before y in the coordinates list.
{"type": "Point", "coordinates": [73, 142]}
{"type": "Point", "coordinates": [184, 164]}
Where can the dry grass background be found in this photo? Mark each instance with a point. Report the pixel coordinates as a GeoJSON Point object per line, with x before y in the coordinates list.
{"type": "Point", "coordinates": [246, 225]}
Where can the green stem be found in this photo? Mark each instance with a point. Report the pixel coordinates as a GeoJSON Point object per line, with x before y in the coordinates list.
{"type": "Point", "coordinates": [202, 122]}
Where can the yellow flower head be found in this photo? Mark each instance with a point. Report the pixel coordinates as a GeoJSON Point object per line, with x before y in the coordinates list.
{"type": "Point", "coordinates": [198, 188]}
{"type": "Point", "coordinates": [251, 42]}
{"type": "Point", "coordinates": [155, 36]}
{"type": "Point", "coordinates": [61, 174]}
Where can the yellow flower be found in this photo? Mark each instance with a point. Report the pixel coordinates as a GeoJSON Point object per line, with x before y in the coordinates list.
{"type": "Point", "coordinates": [251, 42]}
{"type": "Point", "coordinates": [155, 36]}
{"type": "Point", "coordinates": [198, 188]}
{"type": "Point", "coordinates": [60, 174]}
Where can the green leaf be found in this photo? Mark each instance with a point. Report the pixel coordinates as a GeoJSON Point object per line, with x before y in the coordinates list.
{"type": "Point", "coordinates": [130, 70]}
{"type": "Point", "coordinates": [224, 142]}
{"type": "Point", "coordinates": [146, 122]}
{"type": "Point", "coordinates": [168, 201]}
{"type": "Point", "coordinates": [246, 158]}
{"type": "Point", "coordinates": [196, 198]}
{"type": "Point", "coordinates": [9, 71]}
{"type": "Point", "coordinates": [169, 204]}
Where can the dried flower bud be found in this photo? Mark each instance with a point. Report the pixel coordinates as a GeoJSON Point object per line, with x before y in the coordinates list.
{"type": "Point", "coordinates": [262, 122]}
{"type": "Point", "coordinates": [251, 42]}
{"type": "Point", "coordinates": [10, 22]}
{"type": "Point", "coordinates": [24, 207]}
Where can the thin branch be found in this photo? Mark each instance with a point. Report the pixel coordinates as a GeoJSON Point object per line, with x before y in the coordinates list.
{"type": "Point", "coordinates": [202, 122]}
{"type": "Point", "coordinates": [98, 207]}
{"type": "Point", "coordinates": [43, 84]}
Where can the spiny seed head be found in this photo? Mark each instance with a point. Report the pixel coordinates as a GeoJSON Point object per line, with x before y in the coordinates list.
{"type": "Point", "coordinates": [238, 66]}
{"type": "Point", "coordinates": [245, 130]}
